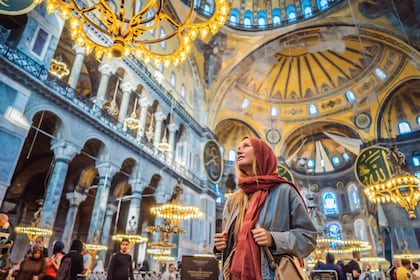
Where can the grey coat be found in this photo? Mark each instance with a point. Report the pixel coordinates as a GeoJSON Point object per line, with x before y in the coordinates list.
{"type": "Point", "coordinates": [286, 218]}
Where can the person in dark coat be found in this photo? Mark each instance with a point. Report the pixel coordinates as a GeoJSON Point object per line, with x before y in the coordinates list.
{"type": "Point", "coordinates": [76, 258]}
{"type": "Point", "coordinates": [121, 267]}
{"type": "Point", "coordinates": [33, 266]}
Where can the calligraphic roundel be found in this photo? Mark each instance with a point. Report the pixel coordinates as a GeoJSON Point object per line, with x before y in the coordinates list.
{"type": "Point", "coordinates": [15, 8]}
{"type": "Point", "coordinates": [213, 162]}
{"type": "Point", "coordinates": [371, 166]}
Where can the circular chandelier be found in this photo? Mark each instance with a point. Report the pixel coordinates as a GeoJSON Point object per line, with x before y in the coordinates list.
{"type": "Point", "coordinates": [410, 256]}
{"type": "Point", "coordinates": [163, 258]}
{"type": "Point", "coordinates": [96, 247]}
{"type": "Point", "coordinates": [175, 212]}
{"type": "Point", "coordinates": [32, 232]}
{"type": "Point", "coordinates": [339, 246]}
{"type": "Point", "coordinates": [158, 251]}
{"type": "Point", "coordinates": [162, 245]}
{"type": "Point", "coordinates": [142, 28]}
{"type": "Point", "coordinates": [381, 171]}
{"type": "Point", "coordinates": [133, 238]}
{"type": "Point", "coordinates": [402, 189]}
{"type": "Point", "coordinates": [165, 229]}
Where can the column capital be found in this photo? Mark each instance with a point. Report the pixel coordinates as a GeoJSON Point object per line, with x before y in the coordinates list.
{"type": "Point", "coordinates": [159, 116]}
{"type": "Point", "coordinates": [64, 150]}
{"type": "Point", "coordinates": [111, 209]}
{"type": "Point", "coordinates": [79, 50]}
{"type": "Point", "coordinates": [172, 127]}
{"type": "Point", "coordinates": [75, 198]}
{"type": "Point", "coordinates": [137, 185]}
{"type": "Point", "coordinates": [105, 69]}
{"type": "Point", "coordinates": [144, 102]}
{"type": "Point", "coordinates": [105, 168]}
{"type": "Point", "coordinates": [126, 87]}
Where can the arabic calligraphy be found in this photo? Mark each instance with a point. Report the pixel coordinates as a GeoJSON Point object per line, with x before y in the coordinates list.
{"type": "Point", "coordinates": [372, 167]}
{"type": "Point", "coordinates": [4, 4]}
{"type": "Point", "coordinates": [285, 173]}
{"type": "Point", "coordinates": [213, 162]}
{"type": "Point", "coordinates": [8, 7]}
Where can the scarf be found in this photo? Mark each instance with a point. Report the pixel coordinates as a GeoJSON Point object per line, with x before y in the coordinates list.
{"type": "Point", "coordinates": [246, 263]}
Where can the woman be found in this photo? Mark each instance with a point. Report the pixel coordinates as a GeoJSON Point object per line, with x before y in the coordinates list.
{"type": "Point", "coordinates": [266, 211]}
{"type": "Point", "coordinates": [33, 266]}
{"type": "Point", "coordinates": [53, 263]}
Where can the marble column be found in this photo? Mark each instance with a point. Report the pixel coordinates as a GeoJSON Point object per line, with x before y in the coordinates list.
{"type": "Point", "coordinates": [136, 194]}
{"type": "Point", "coordinates": [77, 67]}
{"type": "Point", "coordinates": [159, 117]}
{"type": "Point", "coordinates": [106, 172]}
{"type": "Point", "coordinates": [106, 72]}
{"type": "Point", "coordinates": [126, 89]}
{"type": "Point", "coordinates": [63, 153]}
{"type": "Point", "coordinates": [74, 198]}
{"type": "Point", "coordinates": [106, 229]}
{"type": "Point", "coordinates": [144, 105]}
{"type": "Point", "coordinates": [172, 128]}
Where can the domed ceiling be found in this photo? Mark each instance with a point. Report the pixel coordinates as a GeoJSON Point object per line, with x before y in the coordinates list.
{"type": "Point", "coordinates": [321, 147]}
{"type": "Point", "coordinates": [311, 66]}
{"type": "Point", "coordinates": [303, 65]}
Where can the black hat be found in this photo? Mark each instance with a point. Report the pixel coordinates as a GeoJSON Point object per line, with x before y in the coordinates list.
{"type": "Point", "coordinates": [76, 245]}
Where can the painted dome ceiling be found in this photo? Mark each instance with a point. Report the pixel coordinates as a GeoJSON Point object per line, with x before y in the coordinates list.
{"type": "Point", "coordinates": [303, 65]}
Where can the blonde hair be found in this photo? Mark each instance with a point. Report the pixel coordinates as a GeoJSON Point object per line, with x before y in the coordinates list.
{"type": "Point", "coordinates": [239, 200]}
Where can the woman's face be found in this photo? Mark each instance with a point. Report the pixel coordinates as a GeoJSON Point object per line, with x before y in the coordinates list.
{"type": "Point", "coordinates": [245, 156]}
{"type": "Point", "coordinates": [36, 254]}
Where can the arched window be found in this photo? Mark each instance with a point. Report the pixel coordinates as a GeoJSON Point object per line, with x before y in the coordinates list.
{"type": "Point", "coordinates": [138, 6]}
{"type": "Point", "coordinates": [276, 16]}
{"type": "Point", "coordinates": [310, 164]}
{"type": "Point", "coordinates": [232, 155]}
{"type": "Point", "coordinates": [149, 15]}
{"type": "Point", "coordinates": [312, 109]}
{"type": "Point", "coordinates": [322, 4]}
{"type": "Point", "coordinates": [183, 91]}
{"type": "Point", "coordinates": [329, 201]}
{"type": "Point", "coordinates": [161, 68]}
{"type": "Point", "coordinates": [274, 112]}
{"type": "Point", "coordinates": [291, 13]}
{"type": "Point", "coordinates": [334, 231]}
{"type": "Point", "coordinates": [208, 10]}
{"type": "Point", "coordinates": [418, 120]}
{"type": "Point", "coordinates": [416, 159]}
{"type": "Point", "coordinates": [248, 18]}
{"type": "Point", "coordinates": [197, 3]}
{"type": "Point", "coordinates": [173, 79]}
{"type": "Point", "coordinates": [350, 96]}
{"type": "Point", "coordinates": [360, 230]}
{"type": "Point", "coordinates": [245, 104]}
{"type": "Point", "coordinates": [234, 17]}
{"type": "Point", "coordinates": [380, 74]}
{"type": "Point", "coordinates": [336, 161]}
{"type": "Point", "coordinates": [354, 198]}
{"type": "Point", "coordinates": [162, 34]}
{"type": "Point", "coordinates": [262, 19]}
{"type": "Point", "coordinates": [404, 127]}
{"type": "Point", "coordinates": [306, 8]}
{"type": "Point", "coordinates": [345, 156]}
